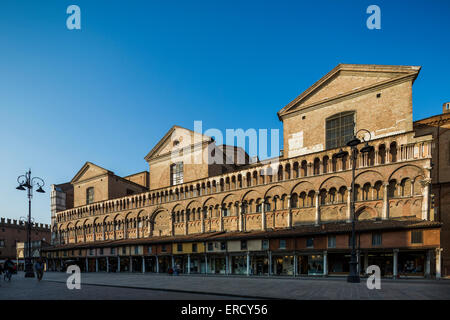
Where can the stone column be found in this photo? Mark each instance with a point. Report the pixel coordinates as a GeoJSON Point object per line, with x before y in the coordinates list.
{"type": "Point", "coordinates": [385, 213]}
{"type": "Point", "coordinates": [248, 263]}
{"type": "Point", "coordinates": [263, 216]}
{"type": "Point", "coordinates": [366, 262]}
{"type": "Point", "coordinates": [189, 264]}
{"type": "Point", "coordinates": [349, 204]}
{"type": "Point", "coordinates": [426, 200]}
{"type": "Point", "coordinates": [137, 228]}
{"type": "Point", "coordinates": [227, 269]}
{"type": "Point", "coordinates": [125, 229]}
{"type": "Point", "coordinates": [103, 231]}
{"type": "Point", "coordinates": [395, 264]}
{"type": "Point", "coordinates": [295, 264]}
{"type": "Point", "coordinates": [317, 215]}
{"type": "Point", "coordinates": [240, 222]}
{"type": "Point", "coordinates": [289, 216]}
{"type": "Point", "coordinates": [202, 219]}
{"type": "Point", "coordinates": [438, 263]}
{"type": "Point", "coordinates": [220, 219]}
{"type": "Point", "coordinates": [114, 226]}
{"type": "Point", "coordinates": [325, 263]}
{"type": "Point", "coordinates": [428, 264]}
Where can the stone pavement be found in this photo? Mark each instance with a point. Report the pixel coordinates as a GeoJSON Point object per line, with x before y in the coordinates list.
{"type": "Point", "coordinates": [107, 285]}
{"type": "Point", "coordinates": [21, 288]}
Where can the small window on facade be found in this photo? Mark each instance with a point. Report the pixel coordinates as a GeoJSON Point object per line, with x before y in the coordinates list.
{"type": "Point", "coordinates": [101, 250]}
{"type": "Point", "coordinates": [376, 239]}
{"type": "Point", "coordinates": [331, 241]}
{"type": "Point", "coordinates": [149, 249]}
{"type": "Point", "coordinates": [2, 243]}
{"type": "Point", "coordinates": [339, 129]}
{"type": "Point", "coordinates": [225, 212]}
{"type": "Point", "coordinates": [223, 245]}
{"type": "Point", "coordinates": [163, 248]}
{"type": "Point", "coordinates": [266, 207]}
{"type": "Point", "coordinates": [176, 173]}
{"type": "Point", "coordinates": [282, 244]}
{"type": "Point", "coordinates": [91, 252]}
{"type": "Point", "coordinates": [210, 246]}
{"type": "Point", "coordinates": [417, 236]}
{"type": "Point", "coordinates": [265, 244]}
{"type": "Point", "coordinates": [79, 252]}
{"type": "Point", "coordinates": [113, 250]}
{"type": "Point", "coordinates": [136, 250]}
{"type": "Point", "coordinates": [179, 247]}
{"type": "Point", "coordinates": [310, 242]}
{"type": "Point", "coordinates": [194, 247]}
{"type": "Point", "coordinates": [89, 195]}
{"type": "Point", "coordinates": [243, 244]}
{"type": "Point", "coordinates": [258, 208]}
{"type": "Point", "coordinates": [124, 250]}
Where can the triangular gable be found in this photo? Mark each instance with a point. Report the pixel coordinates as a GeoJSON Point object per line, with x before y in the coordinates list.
{"type": "Point", "coordinates": [176, 138]}
{"type": "Point", "coordinates": [347, 79]}
{"type": "Point", "coordinates": [89, 170]}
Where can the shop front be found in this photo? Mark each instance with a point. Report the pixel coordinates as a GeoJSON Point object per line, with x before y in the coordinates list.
{"type": "Point", "coordinates": [259, 265]}
{"type": "Point", "coordinates": [217, 264]}
{"type": "Point", "coordinates": [136, 263]}
{"type": "Point", "coordinates": [238, 264]}
{"type": "Point", "coordinates": [283, 265]}
{"type": "Point", "coordinates": [112, 261]}
{"type": "Point", "coordinates": [101, 264]}
{"type": "Point", "coordinates": [165, 262]}
{"type": "Point", "coordinates": [150, 264]}
{"type": "Point", "coordinates": [338, 264]}
{"type": "Point", "coordinates": [124, 264]}
{"type": "Point", "coordinates": [411, 264]}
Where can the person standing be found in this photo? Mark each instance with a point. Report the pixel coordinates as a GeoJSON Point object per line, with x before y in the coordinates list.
{"type": "Point", "coordinates": [39, 267]}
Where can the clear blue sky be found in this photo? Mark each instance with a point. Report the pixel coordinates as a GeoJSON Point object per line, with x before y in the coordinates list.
{"type": "Point", "coordinates": [108, 92]}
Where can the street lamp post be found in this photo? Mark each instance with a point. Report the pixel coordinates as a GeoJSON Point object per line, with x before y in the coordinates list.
{"type": "Point", "coordinates": [27, 183]}
{"type": "Point", "coordinates": [353, 143]}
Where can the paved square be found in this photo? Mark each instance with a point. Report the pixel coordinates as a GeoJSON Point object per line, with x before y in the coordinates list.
{"type": "Point", "coordinates": [153, 286]}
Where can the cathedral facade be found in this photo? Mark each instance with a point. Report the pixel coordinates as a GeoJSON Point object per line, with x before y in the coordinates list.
{"type": "Point", "coordinates": [290, 215]}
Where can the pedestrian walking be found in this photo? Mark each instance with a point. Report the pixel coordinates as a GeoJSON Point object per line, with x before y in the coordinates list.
{"type": "Point", "coordinates": [39, 267]}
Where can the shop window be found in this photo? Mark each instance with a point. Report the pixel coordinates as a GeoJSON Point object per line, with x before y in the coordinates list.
{"type": "Point", "coordinates": [282, 244]}
{"type": "Point", "coordinates": [243, 244]}
{"type": "Point", "coordinates": [376, 239]}
{"type": "Point", "coordinates": [179, 247]}
{"type": "Point", "coordinates": [223, 245]}
{"type": "Point", "coordinates": [310, 242]}
{"type": "Point", "coordinates": [331, 241]}
{"type": "Point", "coordinates": [210, 246]}
{"type": "Point", "coordinates": [265, 244]}
{"type": "Point", "coordinates": [194, 247]}
{"type": "Point", "coordinates": [417, 236]}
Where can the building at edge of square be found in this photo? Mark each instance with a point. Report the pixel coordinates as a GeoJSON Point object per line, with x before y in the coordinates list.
{"type": "Point", "coordinates": [281, 216]}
